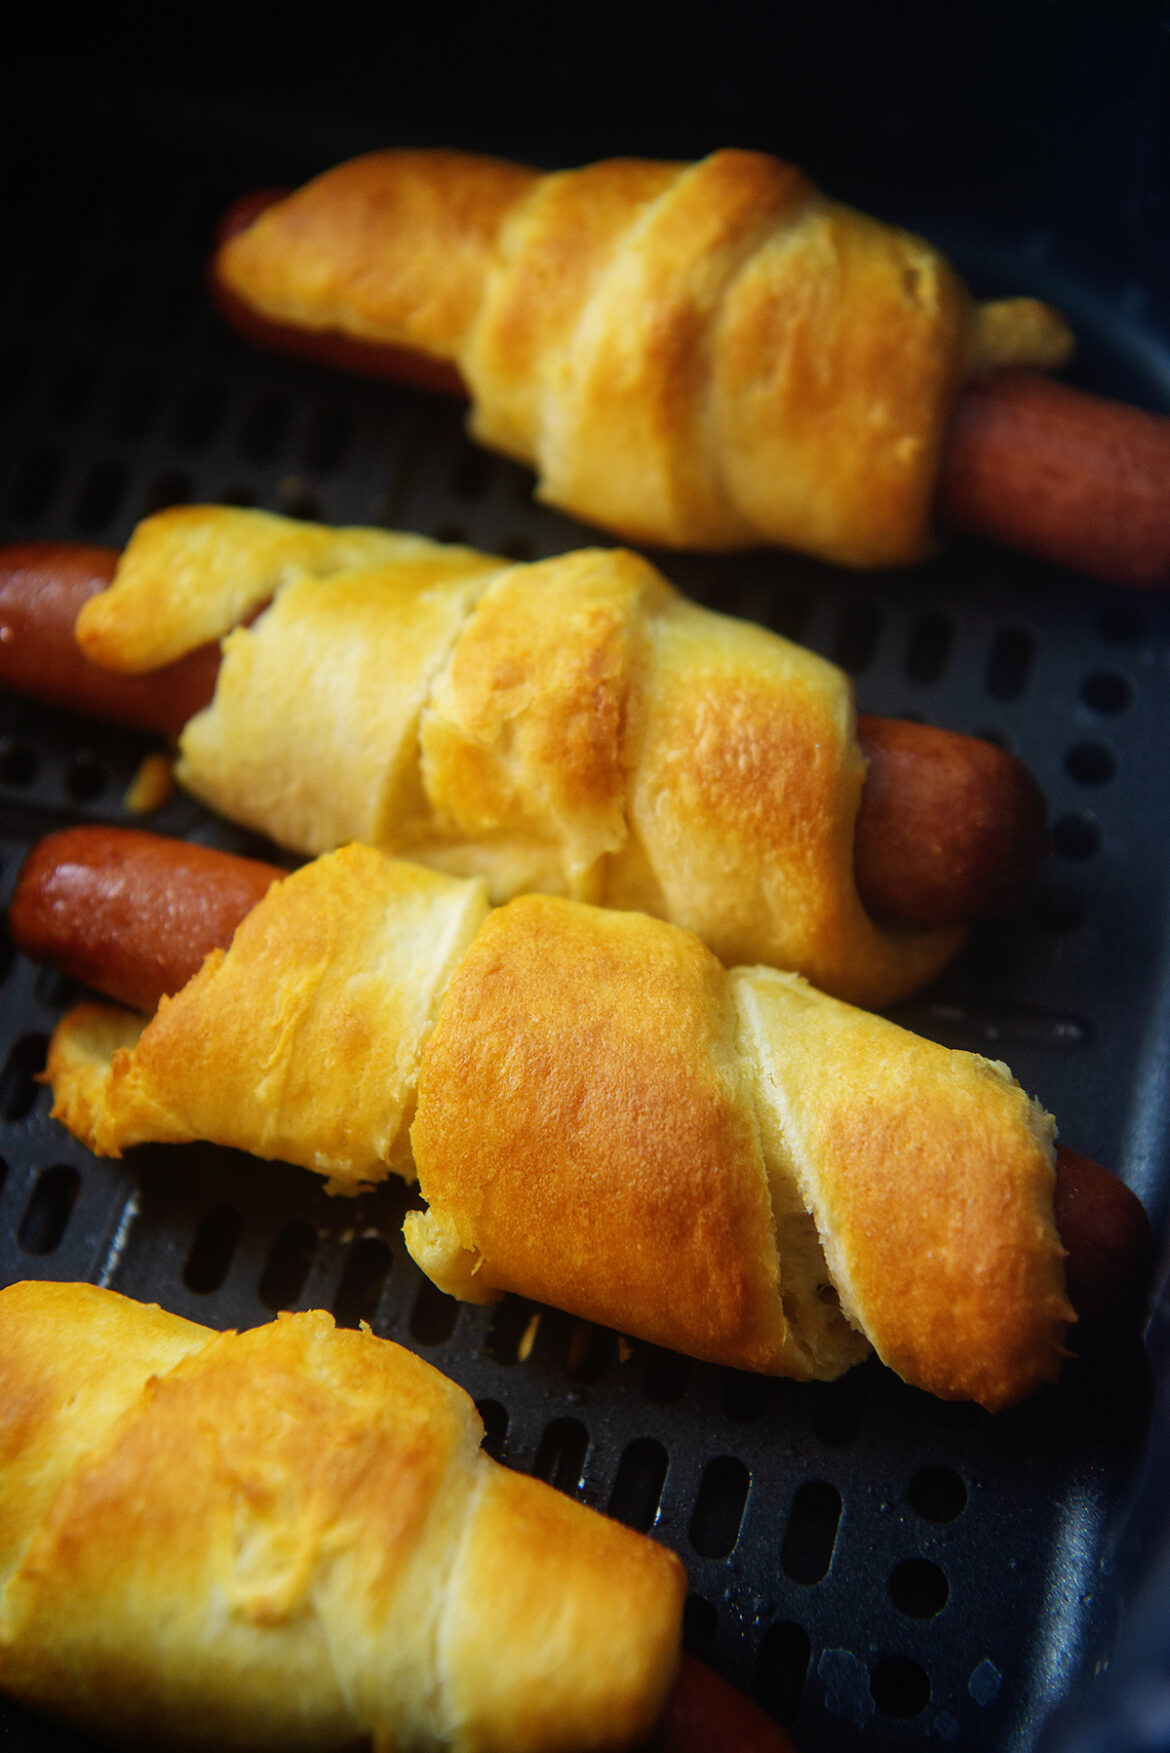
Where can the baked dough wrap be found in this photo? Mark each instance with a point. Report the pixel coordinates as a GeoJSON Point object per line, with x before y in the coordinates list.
{"type": "Point", "coordinates": [291, 1538]}
{"type": "Point", "coordinates": [604, 1118]}
{"type": "Point", "coordinates": [707, 355]}
{"type": "Point", "coordinates": [573, 727]}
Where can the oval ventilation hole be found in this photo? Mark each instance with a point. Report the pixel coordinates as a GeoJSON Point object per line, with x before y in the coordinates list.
{"type": "Point", "coordinates": [1077, 836]}
{"type": "Point", "coordinates": [198, 417]}
{"type": "Point", "coordinates": [73, 391]}
{"type": "Point", "coordinates": [1090, 763]}
{"type": "Point", "coordinates": [700, 1623]}
{"type": "Point", "coordinates": [50, 1206]}
{"type": "Point", "coordinates": [18, 762]}
{"type": "Point", "coordinates": [263, 428]}
{"type": "Point", "coordinates": [362, 1282]}
{"type": "Point", "coordinates": [135, 401]}
{"type": "Point", "coordinates": [900, 1687]}
{"type": "Point", "coordinates": [919, 1589]}
{"type": "Point", "coordinates": [811, 1534]}
{"type": "Point", "coordinates": [432, 1319]}
{"type": "Point", "coordinates": [781, 1670]}
{"type": "Point", "coordinates": [1123, 624]}
{"type": "Point", "coordinates": [590, 1352]}
{"type": "Point", "coordinates": [665, 1377]}
{"type": "Point", "coordinates": [102, 490]}
{"type": "Point", "coordinates": [560, 1458]}
{"type": "Point", "coordinates": [495, 1428]}
{"type": "Point", "coordinates": [937, 1494]}
{"type": "Point", "coordinates": [326, 439]}
{"type": "Point", "coordinates": [85, 779]}
{"type": "Point", "coordinates": [1107, 692]}
{"type": "Point", "coordinates": [172, 487]}
{"type": "Point", "coordinates": [931, 639]}
{"type": "Point", "coordinates": [637, 1489]}
{"type": "Point", "coordinates": [837, 1408]}
{"type": "Point", "coordinates": [719, 1507]}
{"type": "Point", "coordinates": [35, 480]}
{"type": "Point", "coordinates": [1058, 909]}
{"type": "Point", "coordinates": [210, 1255]}
{"type": "Point", "coordinates": [1010, 664]}
{"type": "Point", "coordinates": [18, 1081]}
{"type": "Point", "coordinates": [287, 1266]}
{"type": "Point", "coordinates": [510, 1335]}
{"type": "Point", "coordinates": [858, 636]}
{"type": "Point", "coordinates": [745, 1397]}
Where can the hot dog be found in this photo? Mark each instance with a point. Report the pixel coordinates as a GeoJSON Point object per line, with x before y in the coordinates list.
{"type": "Point", "coordinates": [291, 1538]}
{"type": "Point", "coordinates": [1060, 474]}
{"type": "Point", "coordinates": [948, 827]}
{"type": "Point", "coordinates": [43, 586]}
{"type": "Point", "coordinates": [73, 890]}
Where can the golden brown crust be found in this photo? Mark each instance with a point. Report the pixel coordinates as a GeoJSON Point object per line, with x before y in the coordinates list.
{"type": "Point", "coordinates": [290, 1538]}
{"type": "Point", "coordinates": [604, 1119]}
{"type": "Point", "coordinates": [863, 1112]}
{"type": "Point", "coordinates": [301, 1042]}
{"type": "Point", "coordinates": [527, 740]}
{"type": "Point", "coordinates": [706, 355]}
{"type": "Point", "coordinates": [571, 727]}
{"type": "Point", "coordinates": [193, 572]}
{"type": "Point", "coordinates": [746, 780]}
{"type": "Point", "coordinates": [582, 1085]}
{"type": "Point", "coordinates": [330, 256]}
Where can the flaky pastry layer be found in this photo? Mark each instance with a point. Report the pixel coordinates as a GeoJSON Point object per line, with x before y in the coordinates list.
{"type": "Point", "coordinates": [290, 1538]}
{"type": "Point", "coordinates": [571, 727]}
{"type": "Point", "coordinates": [705, 355]}
{"type": "Point", "coordinates": [603, 1118]}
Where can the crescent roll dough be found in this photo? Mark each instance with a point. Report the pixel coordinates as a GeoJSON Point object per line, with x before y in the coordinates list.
{"type": "Point", "coordinates": [704, 355]}
{"type": "Point", "coordinates": [602, 1117]}
{"type": "Point", "coordinates": [573, 727]}
{"type": "Point", "coordinates": [290, 1538]}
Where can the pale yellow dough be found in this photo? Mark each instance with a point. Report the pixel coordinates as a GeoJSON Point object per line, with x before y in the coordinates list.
{"type": "Point", "coordinates": [571, 727]}
{"type": "Point", "coordinates": [602, 1117]}
{"type": "Point", "coordinates": [706, 355]}
{"type": "Point", "coordinates": [290, 1538]}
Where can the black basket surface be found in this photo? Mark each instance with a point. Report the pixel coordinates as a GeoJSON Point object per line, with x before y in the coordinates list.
{"type": "Point", "coordinates": [881, 1570]}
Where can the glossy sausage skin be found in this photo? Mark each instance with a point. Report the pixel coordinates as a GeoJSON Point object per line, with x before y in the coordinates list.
{"type": "Point", "coordinates": [1062, 475]}
{"type": "Point", "coordinates": [133, 914]}
{"type": "Point", "coordinates": [130, 914]}
{"type": "Point", "coordinates": [1035, 465]}
{"type": "Point", "coordinates": [948, 825]}
{"type": "Point", "coordinates": [707, 1715]}
{"type": "Point", "coordinates": [324, 346]}
{"type": "Point", "coordinates": [42, 588]}
{"type": "Point", "coordinates": [1111, 1254]}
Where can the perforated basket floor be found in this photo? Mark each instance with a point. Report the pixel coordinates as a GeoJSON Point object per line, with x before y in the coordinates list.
{"type": "Point", "coordinates": [881, 1570]}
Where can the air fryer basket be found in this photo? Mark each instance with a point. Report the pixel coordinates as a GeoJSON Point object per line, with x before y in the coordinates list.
{"type": "Point", "coordinates": [881, 1570]}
